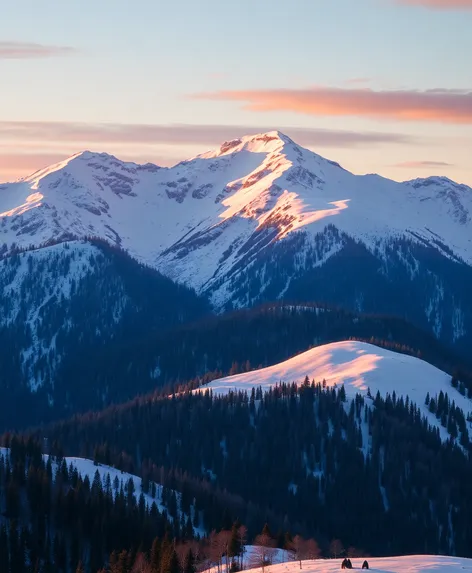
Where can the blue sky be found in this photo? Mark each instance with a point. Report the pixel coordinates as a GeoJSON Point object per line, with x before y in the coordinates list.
{"type": "Point", "coordinates": [239, 66]}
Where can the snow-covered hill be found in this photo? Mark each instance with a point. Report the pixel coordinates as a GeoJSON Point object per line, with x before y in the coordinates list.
{"type": "Point", "coordinates": [262, 218]}
{"type": "Point", "coordinates": [358, 366]}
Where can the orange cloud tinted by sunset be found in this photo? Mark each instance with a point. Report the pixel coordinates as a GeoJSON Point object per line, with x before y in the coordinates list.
{"type": "Point", "coordinates": [14, 132]}
{"type": "Point", "coordinates": [439, 4]}
{"type": "Point", "coordinates": [439, 105]}
{"type": "Point", "coordinates": [27, 50]}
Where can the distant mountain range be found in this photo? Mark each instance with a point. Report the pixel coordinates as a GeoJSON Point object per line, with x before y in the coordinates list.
{"type": "Point", "coordinates": [261, 219]}
{"type": "Point", "coordinates": [88, 246]}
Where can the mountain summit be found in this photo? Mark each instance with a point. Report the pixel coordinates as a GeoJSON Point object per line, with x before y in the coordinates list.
{"type": "Point", "coordinates": [261, 218]}
{"type": "Point", "coordinates": [257, 182]}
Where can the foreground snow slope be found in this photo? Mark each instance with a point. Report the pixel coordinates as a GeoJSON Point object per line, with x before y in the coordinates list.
{"type": "Point", "coordinates": [359, 366]}
{"type": "Point", "coordinates": [405, 564]}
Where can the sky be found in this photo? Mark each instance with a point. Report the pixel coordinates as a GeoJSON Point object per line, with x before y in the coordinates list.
{"type": "Point", "coordinates": [380, 86]}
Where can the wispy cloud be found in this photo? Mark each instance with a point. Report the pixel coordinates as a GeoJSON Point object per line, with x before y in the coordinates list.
{"type": "Point", "coordinates": [358, 81]}
{"type": "Point", "coordinates": [85, 134]}
{"type": "Point", "coordinates": [439, 4]}
{"type": "Point", "coordinates": [28, 50]}
{"type": "Point", "coordinates": [426, 164]}
{"type": "Point", "coordinates": [28, 146]}
{"type": "Point", "coordinates": [438, 105]}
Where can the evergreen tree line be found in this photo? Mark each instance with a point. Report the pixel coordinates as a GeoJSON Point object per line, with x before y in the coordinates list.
{"type": "Point", "coordinates": [451, 416]}
{"type": "Point", "coordinates": [302, 459]}
{"type": "Point", "coordinates": [57, 521]}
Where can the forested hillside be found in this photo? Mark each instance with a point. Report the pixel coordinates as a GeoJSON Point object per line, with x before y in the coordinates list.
{"type": "Point", "coordinates": [151, 346]}
{"type": "Point", "coordinates": [68, 303]}
{"type": "Point", "coordinates": [303, 460]}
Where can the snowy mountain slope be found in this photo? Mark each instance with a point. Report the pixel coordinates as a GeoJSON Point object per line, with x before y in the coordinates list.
{"type": "Point", "coordinates": [86, 467]}
{"type": "Point", "coordinates": [118, 479]}
{"type": "Point", "coordinates": [254, 183]}
{"type": "Point", "coordinates": [260, 219]}
{"type": "Point", "coordinates": [62, 303]}
{"type": "Point", "coordinates": [45, 279]}
{"type": "Point", "coordinates": [359, 367]}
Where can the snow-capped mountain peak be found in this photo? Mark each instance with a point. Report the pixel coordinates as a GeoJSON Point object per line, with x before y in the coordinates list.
{"type": "Point", "coordinates": [457, 197]}
{"type": "Point", "coordinates": [206, 219]}
{"type": "Point", "coordinates": [79, 163]}
{"type": "Point", "coordinates": [269, 142]}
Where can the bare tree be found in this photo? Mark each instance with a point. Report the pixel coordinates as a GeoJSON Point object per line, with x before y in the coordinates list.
{"type": "Point", "coordinates": [336, 548]}
{"type": "Point", "coordinates": [213, 550]}
{"type": "Point", "coordinates": [219, 543]}
{"type": "Point", "coordinates": [298, 549]}
{"type": "Point", "coordinates": [202, 553]}
{"type": "Point", "coordinates": [242, 539]}
{"type": "Point", "coordinates": [312, 549]}
{"type": "Point", "coordinates": [354, 552]}
{"type": "Point", "coordinates": [289, 550]}
{"type": "Point", "coordinates": [224, 539]}
{"type": "Point", "coordinates": [264, 551]}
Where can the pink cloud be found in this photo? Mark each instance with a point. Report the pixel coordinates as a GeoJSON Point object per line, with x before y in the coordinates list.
{"type": "Point", "coordinates": [426, 164]}
{"type": "Point", "coordinates": [83, 134]}
{"type": "Point", "coordinates": [28, 146]}
{"type": "Point", "coordinates": [438, 105]}
{"type": "Point", "coordinates": [28, 50]}
{"type": "Point", "coordinates": [439, 4]}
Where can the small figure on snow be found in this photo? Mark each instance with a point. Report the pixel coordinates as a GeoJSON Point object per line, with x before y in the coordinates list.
{"type": "Point", "coordinates": [365, 565]}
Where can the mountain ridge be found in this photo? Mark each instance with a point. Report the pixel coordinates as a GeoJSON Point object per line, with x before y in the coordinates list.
{"type": "Point", "coordinates": [362, 368]}
{"type": "Point", "coordinates": [270, 183]}
{"type": "Point", "coordinates": [260, 219]}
